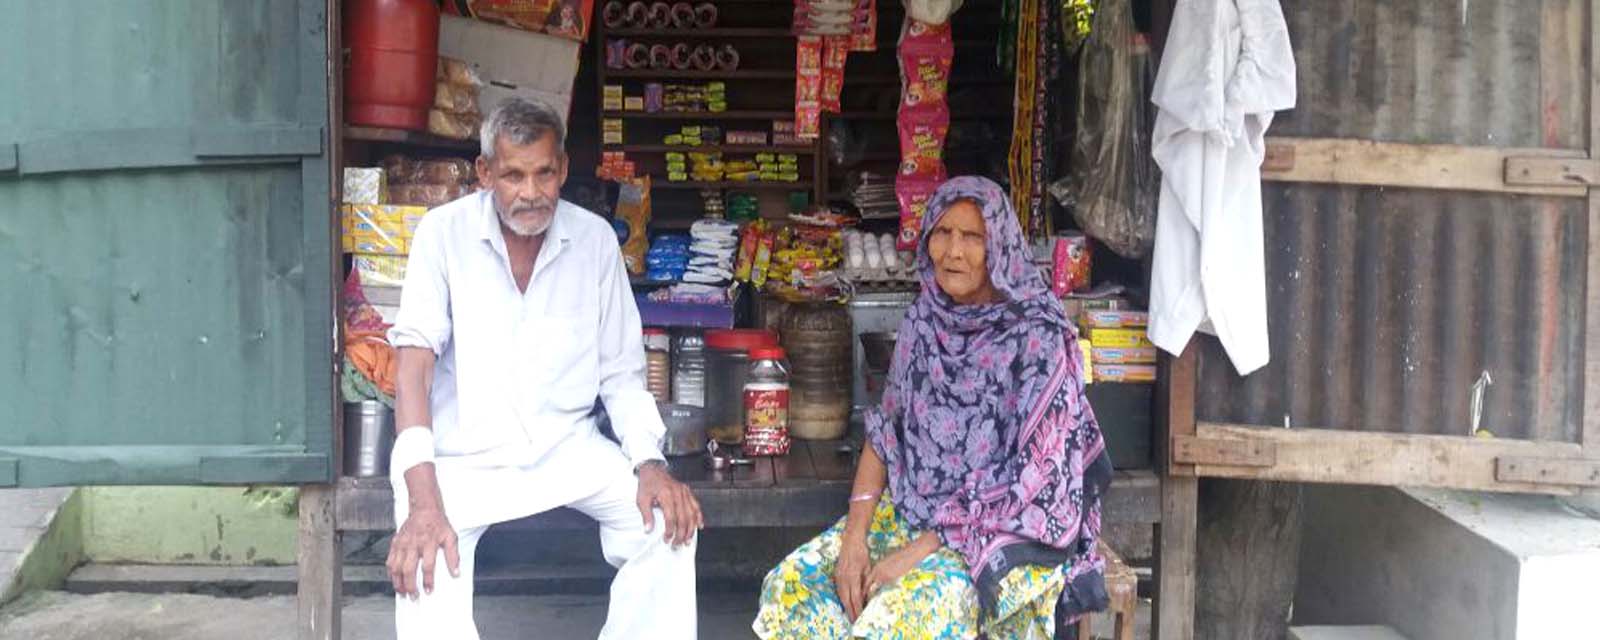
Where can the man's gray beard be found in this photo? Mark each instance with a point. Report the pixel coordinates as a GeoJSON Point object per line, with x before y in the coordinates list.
{"type": "Point", "coordinates": [525, 232]}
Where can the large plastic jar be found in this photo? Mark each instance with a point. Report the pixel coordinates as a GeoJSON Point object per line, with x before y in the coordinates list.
{"type": "Point", "coordinates": [727, 366]}
{"type": "Point", "coordinates": [689, 369]}
{"type": "Point", "coordinates": [658, 364]}
{"type": "Point", "coordinates": [766, 404]}
{"type": "Point", "coordinates": [817, 337]}
{"type": "Point", "coordinates": [394, 59]}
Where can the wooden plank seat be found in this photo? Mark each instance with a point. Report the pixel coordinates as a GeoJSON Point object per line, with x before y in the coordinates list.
{"type": "Point", "coordinates": [809, 487]}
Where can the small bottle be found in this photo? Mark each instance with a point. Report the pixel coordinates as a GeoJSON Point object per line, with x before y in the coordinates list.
{"type": "Point", "coordinates": [658, 364]}
{"type": "Point", "coordinates": [766, 404]}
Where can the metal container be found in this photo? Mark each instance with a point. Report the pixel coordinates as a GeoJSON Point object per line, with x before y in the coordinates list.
{"type": "Point", "coordinates": [877, 352]}
{"type": "Point", "coordinates": [818, 339]}
{"type": "Point", "coordinates": [686, 429]}
{"type": "Point", "coordinates": [368, 438]}
{"type": "Point", "coordinates": [878, 312]}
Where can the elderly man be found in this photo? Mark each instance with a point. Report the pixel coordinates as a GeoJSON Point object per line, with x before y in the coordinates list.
{"type": "Point", "coordinates": [516, 315]}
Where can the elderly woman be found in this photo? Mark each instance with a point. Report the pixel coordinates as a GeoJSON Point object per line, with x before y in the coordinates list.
{"type": "Point", "coordinates": [977, 505]}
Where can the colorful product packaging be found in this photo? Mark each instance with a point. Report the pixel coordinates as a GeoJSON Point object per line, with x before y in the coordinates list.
{"type": "Point", "coordinates": [1121, 355]}
{"type": "Point", "coordinates": [380, 270]}
{"type": "Point", "coordinates": [380, 229]}
{"type": "Point", "coordinates": [1120, 338]}
{"type": "Point", "coordinates": [1070, 263]}
{"type": "Point", "coordinates": [1108, 319]}
{"type": "Point", "coordinates": [365, 185]}
{"type": "Point", "coordinates": [1135, 373]}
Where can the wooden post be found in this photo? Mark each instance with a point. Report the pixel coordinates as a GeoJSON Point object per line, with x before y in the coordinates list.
{"type": "Point", "coordinates": [321, 571]}
{"type": "Point", "coordinates": [1250, 530]}
{"type": "Point", "coordinates": [1175, 534]}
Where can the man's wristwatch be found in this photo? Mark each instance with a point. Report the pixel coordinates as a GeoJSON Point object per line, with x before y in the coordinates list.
{"type": "Point", "coordinates": [647, 463]}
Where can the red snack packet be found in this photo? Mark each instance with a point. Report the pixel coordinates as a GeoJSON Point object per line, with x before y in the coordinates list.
{"type": "Point", "coordinates": [913, 193]}
{"type": "Point", "coordinates": [808, 86]}
{"type": "Point", "coordinates": [926, 52]}
{"type": "Point", "coordinates": [922, 136]}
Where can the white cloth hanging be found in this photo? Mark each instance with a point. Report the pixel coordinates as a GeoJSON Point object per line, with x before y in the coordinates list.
{"type": "Point", "coordinates": [1226, 67]}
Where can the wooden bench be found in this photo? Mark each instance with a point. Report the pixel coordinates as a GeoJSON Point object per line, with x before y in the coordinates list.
{"type": "Point", "coordinates": [807, 488]}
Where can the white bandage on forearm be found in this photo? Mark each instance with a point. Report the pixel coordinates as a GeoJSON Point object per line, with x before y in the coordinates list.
{"type": "Point", "coordinates": [412, 447]}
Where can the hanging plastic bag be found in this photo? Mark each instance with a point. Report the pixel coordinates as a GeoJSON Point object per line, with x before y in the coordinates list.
{"type": "Point", "coordinates": [1113, 185]}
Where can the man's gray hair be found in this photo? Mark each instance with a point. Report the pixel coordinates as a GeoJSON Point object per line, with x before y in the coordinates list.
{"type": "Point", "coordinates": [521, 121]}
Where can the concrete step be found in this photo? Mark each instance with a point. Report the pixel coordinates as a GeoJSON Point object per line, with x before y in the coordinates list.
{"type": "Point", "coordinates": [359, 580]}
{"type": "Point", "coordinates": [1366, 632]}
{"type": "Point", "coordinates": [35, 549]}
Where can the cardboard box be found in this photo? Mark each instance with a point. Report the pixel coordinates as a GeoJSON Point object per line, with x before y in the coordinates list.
{"type": "Point", "coordinates": [1142, 373]}
{"type": "Point", "coordinates": [1123, 338]}
{"type": "Point", "coordinates": [1084, 350]}
{"type": "Point", "coordinates": [379, 229]}
{"type": "Point", "coordinates": [365, 185]}
{"type": "Point", "coordinates": [512, 62]}
{"type": "Point", "coordinates": [1121, 355]}
{"type": "Point", "coordinates": [1104, 319]}
{"type": "Point", "coordinates": [380, 270]}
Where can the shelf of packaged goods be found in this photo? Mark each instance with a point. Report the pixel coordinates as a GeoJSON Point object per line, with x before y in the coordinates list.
{"type": "Point", "coordinates": [696, 74]}
{"type": "Point", "coordinates": [407, 137]}
{"type": "Point", "coordinates": [702, 115]}
{"type": "Point", "coordinates": [803, 185]}
{"type": "Point", "coordinates": [724, 148]}
{"type": "Point", "coordinates": [713, 32]}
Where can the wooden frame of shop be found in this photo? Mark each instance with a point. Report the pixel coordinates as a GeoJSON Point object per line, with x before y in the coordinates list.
{"type": "Point", "coordinates": [1551, 175]}
{"type": "Point", "coordinates": [805, 488]}
{"type": "Point", "coordinates": [1431, 216]}
{"type": "Point", "coordinates": [1376, 181]}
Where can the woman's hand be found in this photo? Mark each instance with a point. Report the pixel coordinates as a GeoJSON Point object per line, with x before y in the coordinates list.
{"type": "Point", "coordinates": [850, 575]}
{"type": "Point", "coordinates": [897, 564]}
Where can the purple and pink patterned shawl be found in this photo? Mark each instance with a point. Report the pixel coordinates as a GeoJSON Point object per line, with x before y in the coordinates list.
{"type": "Point", "coordinates": [984, 427]}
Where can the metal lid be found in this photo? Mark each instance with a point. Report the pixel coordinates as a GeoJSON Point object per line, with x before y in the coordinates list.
{"type": "Point", "coordinates": [766, 353]}
{"type": "Point", "coordinates": [741, 339]}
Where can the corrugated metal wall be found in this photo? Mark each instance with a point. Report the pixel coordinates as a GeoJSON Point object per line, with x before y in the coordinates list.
{"type": "Point", "coordinates": [1386, 304]}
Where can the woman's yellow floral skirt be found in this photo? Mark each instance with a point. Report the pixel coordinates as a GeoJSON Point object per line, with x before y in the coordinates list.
{"type": "Point", "coordinates": [937, 599]}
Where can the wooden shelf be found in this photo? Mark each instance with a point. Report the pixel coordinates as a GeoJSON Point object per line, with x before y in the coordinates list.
{"type": "Point", "coordinates": [890, 115]}
{"type": "Point", "coordinates": [714, 32]}
{"type": "Point", "coordinates": [695, 74]}
{"type": "Point", "coordinates": [964, 81]}
{"type": "Point", "coordinates": [725, 148]}
{"type": "Point", "coordinates": [803, 185]}
{"type": "Point", "coordinates": [702, 115]}
{"type": "Point", "coordinates": [406, 137]}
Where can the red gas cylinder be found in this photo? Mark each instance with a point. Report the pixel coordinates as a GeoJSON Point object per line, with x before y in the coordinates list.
{"type": "Point", "coordinates": [394, 55]}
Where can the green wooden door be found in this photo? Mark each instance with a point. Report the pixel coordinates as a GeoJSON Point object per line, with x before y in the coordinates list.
{"type": "Point", "coordinates": [166, 309]}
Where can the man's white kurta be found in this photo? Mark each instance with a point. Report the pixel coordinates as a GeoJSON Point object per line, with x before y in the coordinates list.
{"type": "Point", "coordinates": [1226, 67]}
{"type": "Point", "coordinates": [518, 373]}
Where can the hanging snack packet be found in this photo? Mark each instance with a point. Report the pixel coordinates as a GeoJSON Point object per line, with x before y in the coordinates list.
{"type": "Point", "coordinates": [922, 136]}
{"type": "Point", "coordinates": [926, 52]}
{"type": "Point", "coordinates": [633, 207]}
{"type": "Point", "coordinates": [913, 193]}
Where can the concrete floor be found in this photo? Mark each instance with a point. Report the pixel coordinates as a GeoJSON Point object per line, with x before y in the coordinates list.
{"type": "Point", "coordinates": [54, 615]}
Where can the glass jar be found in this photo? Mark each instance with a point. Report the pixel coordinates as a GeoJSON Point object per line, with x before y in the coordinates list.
{"type": "Point", "coordinates": [766, 404]}
{"type": "Point", "coordinates": [658, 364]}
{"type": "Point", "coordinates": [689, 369]}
